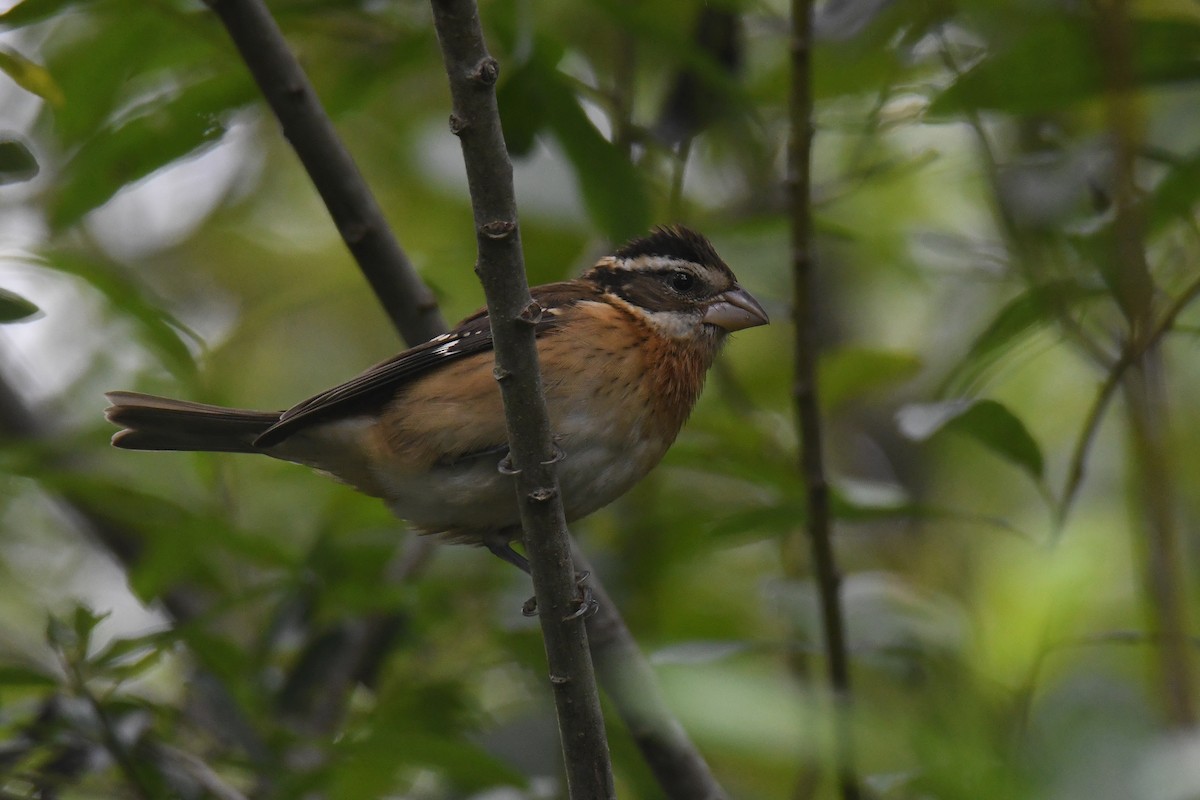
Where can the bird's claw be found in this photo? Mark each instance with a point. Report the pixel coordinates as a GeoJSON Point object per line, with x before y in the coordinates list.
{"type": "Point", "coordinates": [586, 603]}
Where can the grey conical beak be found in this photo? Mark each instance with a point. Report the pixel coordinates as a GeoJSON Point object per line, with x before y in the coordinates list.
{"type": "Point", "coordinates": [735, 310]}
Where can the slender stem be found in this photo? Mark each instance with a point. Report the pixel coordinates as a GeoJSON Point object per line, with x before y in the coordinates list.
{"type": "Point", "coordinates": [808, 414]}
{"type": "Point", "coordinates": [1132, 353]}
{"type": "Point", "coordinates": [476, 121]}
{"type": "Point", "coordinates": [1026, 255]}
{"type": "Point", "coordinates": [142, 783]}
{"type": "Point", "coordinates": [360, 221]}
{"type": "Point", "coordinates": [1144, 386]}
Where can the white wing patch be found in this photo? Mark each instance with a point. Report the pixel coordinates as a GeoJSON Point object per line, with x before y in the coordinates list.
{"type": "Point", "coordinates": [447, 348]}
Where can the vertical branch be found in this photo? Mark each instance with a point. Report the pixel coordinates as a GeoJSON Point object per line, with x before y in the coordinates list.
{"type": "Point", "coordinates": [1144, 385]}
{"type": "Point", "coordinates": [472, 73]}
{"type": "Point", "coordinates": [805, 390]}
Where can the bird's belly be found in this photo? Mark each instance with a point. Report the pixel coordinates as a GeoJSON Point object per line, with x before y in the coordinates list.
{"type": "Point", "coordinates": [601, 460]}
{"type": "Point", "coordinates": [468, 495]}
{"type": "Point", "coordinates": [594, 472]}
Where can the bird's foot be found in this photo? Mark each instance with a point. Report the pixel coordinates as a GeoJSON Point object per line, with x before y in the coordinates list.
{"type": "Point", "coordinates": [585, 603]}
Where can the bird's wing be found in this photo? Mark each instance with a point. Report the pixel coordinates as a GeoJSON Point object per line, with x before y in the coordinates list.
{"type": "Point", "coordinates": [375, 387]}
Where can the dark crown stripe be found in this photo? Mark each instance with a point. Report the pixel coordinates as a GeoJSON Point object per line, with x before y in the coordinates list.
{"type": "Point", "coordinates": [675, 241]}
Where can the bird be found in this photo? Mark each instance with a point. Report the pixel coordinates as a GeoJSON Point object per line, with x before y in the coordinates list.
{"type": "Point", "coordinates": [623, 349]}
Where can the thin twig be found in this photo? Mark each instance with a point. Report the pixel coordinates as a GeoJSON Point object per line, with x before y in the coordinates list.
{"type": "Point", "coordinates": [1144, 387]}
{"type": "Point", "coordinates": [1028, 260]}
{"type": "Point", "coordinates": [472, 73]}
{"type": "Point", "coordinates": [18, 422]}
{"type": "Point", "coordinates": [819, 522]}
{"type": "Point", "coordinates": [201, 773]}
{"type": "Point", "coordinates": [137, 778]}
{"type": "Point", "coordinates": [360, 221]}
{"type": "Point", "coordinates": [1130, 355]}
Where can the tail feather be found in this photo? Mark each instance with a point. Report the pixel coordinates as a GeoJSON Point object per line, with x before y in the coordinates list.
{"type": "Point", "coordinates": [160, 423]}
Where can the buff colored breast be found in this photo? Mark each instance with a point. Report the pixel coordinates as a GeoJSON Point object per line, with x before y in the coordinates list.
{"type": "Point", "coordinates": [612, 426]}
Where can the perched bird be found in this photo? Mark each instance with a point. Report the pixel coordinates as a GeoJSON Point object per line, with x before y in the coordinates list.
{"type": "Point", "coordinates": [624, 350]}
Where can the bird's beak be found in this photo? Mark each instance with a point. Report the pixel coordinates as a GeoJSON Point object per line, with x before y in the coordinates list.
{"type": "Point", "coordinates": [735, 310]}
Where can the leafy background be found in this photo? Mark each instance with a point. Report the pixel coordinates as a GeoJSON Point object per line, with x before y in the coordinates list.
{"type": "Point", "coordinates": [168, 621]}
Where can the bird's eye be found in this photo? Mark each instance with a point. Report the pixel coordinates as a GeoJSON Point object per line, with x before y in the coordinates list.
{"type": "Point", "coordinates": [681, 281]}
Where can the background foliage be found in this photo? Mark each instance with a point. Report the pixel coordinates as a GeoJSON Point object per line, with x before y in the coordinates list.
{"type": "Point", "coordinates": [170, 624]}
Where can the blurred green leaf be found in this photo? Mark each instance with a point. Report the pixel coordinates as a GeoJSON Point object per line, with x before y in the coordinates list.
{"type": "Point", "coordinates": [14, 307]}
{"type": "Point", "coordinates": [368, 766]}
{"type": "Point", "coordinates": [520, 97]}
{"type": "Point", "coordinates": [667, 28]}
{"type": "Point", "coordinates": [30, 76]}
{"type": "Point", "coordinates": [169, 543]}
{"type": "Point", "coordinates": [846, 505]}
{"type": "Point", "coordinates": [157, 328]}
{"type": "Point", "coordinates": [129, 657]}
{"type": "Point", "coordinates": [614, 191]}
{"type": "Point", "coordinates": [773, 520]}
{"type": "Point", "coordinates": [1016, 77]}
{"type": "Point", "coordinates": [850, 373]}
{"type": "Point", "coordinates": [16, 676]}
{"type": "Point", "coordinates": [1176, 195]}
{"type": "Point", "coordinates": [17, 164]}
{"type": "Point", "coordinates": [139, 145]}
{"type": "Point", "coordinates": [72, 636]}
{"type": "Point", "coordinates": [698, 652]}
{"type": "Point", "coordinates": [31, 11]}
{"type": "Point", "coordinates": [985, 421]}
{"type": "Point", "coordinates": [84, 622]}
{"type": "Point", "coordinates": [1024, 314]}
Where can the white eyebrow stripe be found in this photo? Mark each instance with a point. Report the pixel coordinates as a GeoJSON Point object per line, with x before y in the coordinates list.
{"type": "Point", "coordinates": [654, 263]}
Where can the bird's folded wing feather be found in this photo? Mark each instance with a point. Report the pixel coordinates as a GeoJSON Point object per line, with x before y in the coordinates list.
{"type": "Point", "coordinates": [373, 388]}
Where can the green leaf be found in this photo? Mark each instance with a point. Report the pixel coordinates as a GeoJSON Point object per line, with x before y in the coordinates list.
{"type": "Point", "coordinates": [14, 307]}
{"type": "Point", "coordinates": [859, 503]}
{"type": "Point", "coordinates": [985, 421]}
{"type": "Point", "coordinates": [1015, 77]}
{"type": "Point", "coordinates": [520, 97]}
{"type": "Point", "coordinates": [613, 189]}
{"type": "Point", "coordinates": [1021, 316]}
{"type": "Point", "coordinates": [17, 164]}
{"type": "Point", "coordinates": [776, 520]}
{"type": "Point", "coordinates": [31, 11]}
{"type": "Point", "coordinates": [15, 676]}
{"type": "Point", "coordinates": [30, 76]}
{"type": "Point", "coordinates": [145, 143]}
{"type": "Point", "coordinates": [850, 373]}
{"type": "Point", "coordinates": [159, 330]}
{"type": "Point", "coordinates": [1176, 194]}
{"type": "Point", "coordinates": [173, 542]}
{"type": "Point", "coordinates": [73, 635]}
{"type": "Point", "coordinates": [84, 622]}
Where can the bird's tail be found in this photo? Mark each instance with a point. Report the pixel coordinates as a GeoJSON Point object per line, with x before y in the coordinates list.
{"type": "Point", "coordinates": [159, 423]}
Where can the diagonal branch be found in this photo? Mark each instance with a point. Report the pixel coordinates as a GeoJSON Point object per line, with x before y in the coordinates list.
{"type": "Point", "coordinates": [629, 683]}
{"type": "Point", "coordinates": [513, 313]}
{"type": "Point", "coordinates": [359, 219]}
